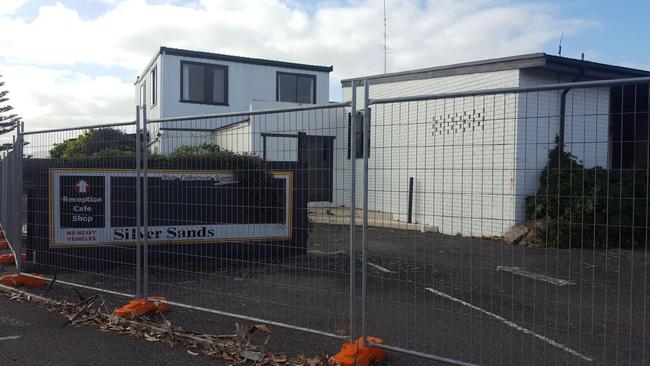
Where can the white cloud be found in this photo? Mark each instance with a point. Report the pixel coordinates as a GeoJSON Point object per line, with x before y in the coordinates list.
{"type": "Point", "coordinates": [44, 56]}
{"type": "Point", "coordinates": [10, 6]}
{"type": "Point", "coordinates": [49, 98]}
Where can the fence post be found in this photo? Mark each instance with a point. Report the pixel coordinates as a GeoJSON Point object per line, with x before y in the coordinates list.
{"type": "Point", "coordinates": [364, 266]}
{"type": "Point", "coordinates": [3, 192]}
{"type": "Point", "coordinates": [138, 205]}
{"type": "Point", "coordinates": [409, 213]}
{"type": "Point", "coordinates": [145, 204]}
{"type": "Point", "coordinates": [353, 212]}
{"type": "Point", "coordinates": [11, 202]}
{"type": "Point", "coordinates": [18, 192]}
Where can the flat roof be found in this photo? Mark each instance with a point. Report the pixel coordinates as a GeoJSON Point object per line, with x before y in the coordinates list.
{"type": "Point", "coordinates": [231, 58]}
{"type": "Point", "coordinates": [539, 60]}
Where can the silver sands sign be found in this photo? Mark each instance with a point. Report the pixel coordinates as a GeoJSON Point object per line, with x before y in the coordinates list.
{"type": "Point", "coordinates": [98, 207]}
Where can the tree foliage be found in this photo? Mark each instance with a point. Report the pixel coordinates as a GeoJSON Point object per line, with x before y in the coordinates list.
{"type": "Point", "coordinates": [8, 121]}
{"type": "Point", "coordinates": [109, 147]}
{"type": "Point", "coordinates": [589, 207]}
{"type": "Point", "coordinates": [100, 142]}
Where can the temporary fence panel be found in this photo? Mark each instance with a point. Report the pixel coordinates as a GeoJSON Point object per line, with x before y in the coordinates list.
{"type": "Point", "coordinates": [11, 212]}
{"type": "Point", "coordinates": [499, 226]}
{"type": "Point", "coordinates": [508, 226]}
{"type": "Point", "coordinates": [238, 208]}
{"type": "Point", "coordinates": [80, 189]}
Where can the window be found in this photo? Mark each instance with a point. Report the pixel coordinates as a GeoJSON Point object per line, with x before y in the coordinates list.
{"type": "Point", "coordinates": [296, 88]}
{"type": "Point", "coordinates": [143, 94]}
{"type": "Point", "coordinates": [154, 86]}
{"type": "Point", "coordinates": [204, 83]}
{"type": "Point", "coordinates": [358, 135]}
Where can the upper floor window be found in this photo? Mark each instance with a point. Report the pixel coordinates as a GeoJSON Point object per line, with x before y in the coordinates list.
{"type": "Point", "coordinates": [204, 83]}
{"type": "Point", "coordinates": [154, 86]}
{"type": "Point", "coordinates": [296, 88]}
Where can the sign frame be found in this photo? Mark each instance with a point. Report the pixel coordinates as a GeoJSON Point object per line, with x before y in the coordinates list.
{"type": "Point", "coordinates": [57, 172]}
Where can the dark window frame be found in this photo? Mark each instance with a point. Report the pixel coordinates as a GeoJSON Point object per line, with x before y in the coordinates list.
{"type": "Point", "coordinates": [153, 75]}
{"type": "Point", "coordinates": [359, 142]}
{"type": "Point", "coordinates": [277, 85]}
{"type": "Point", "coordinates": [204, 64]}
{"type": "Point", "coordinates": [143, 94]}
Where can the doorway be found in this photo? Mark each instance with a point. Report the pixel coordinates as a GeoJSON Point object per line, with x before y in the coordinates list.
{"type": "Point", "coordinates": [318, 153]}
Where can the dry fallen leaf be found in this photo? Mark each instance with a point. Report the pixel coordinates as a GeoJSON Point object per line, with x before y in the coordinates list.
{"type": "Point", "coordinates": [236, 349]}
{"type": "Point", "coordinates": [250, 355]}
{"type": "Point", "coordinates": [149, 338]}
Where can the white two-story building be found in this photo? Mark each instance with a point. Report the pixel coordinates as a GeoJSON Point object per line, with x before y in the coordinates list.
{"type": "Point", "coordinates": [199, 85]}
{"type": "Point", "coordinates": [179, 82]}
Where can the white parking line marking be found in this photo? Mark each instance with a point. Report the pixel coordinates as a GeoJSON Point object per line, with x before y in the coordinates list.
{"type": "Point", "coordinates": [512, 324]}
{"type": "Point", "coordinates": [539, 277]}
{"type": "Point", "coordinates": [9, 338]}
{"type": "Point", "coordinates": [380, 268]}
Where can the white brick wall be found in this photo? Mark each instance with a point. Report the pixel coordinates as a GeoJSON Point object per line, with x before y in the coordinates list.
{"type": "Point", "coordinates": [463, 180]}
{"type": "Point", "coordinates": [473, 181]}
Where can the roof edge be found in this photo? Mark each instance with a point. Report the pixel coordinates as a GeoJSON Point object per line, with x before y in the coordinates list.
{"type": "Point", "coordinates": [245, 60]}
{"type": "Point", "coordinates": [146, 69]}
{"type": "Point", "coordinates": [498, 60]}
{"type": "Point", "coordinates": [230, 58]}
{"type": "Point", "coordinates": [532, 60]}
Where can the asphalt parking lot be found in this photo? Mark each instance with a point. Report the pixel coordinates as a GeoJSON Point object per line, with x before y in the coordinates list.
{"type": "Point", "coordinates": [475, 300]}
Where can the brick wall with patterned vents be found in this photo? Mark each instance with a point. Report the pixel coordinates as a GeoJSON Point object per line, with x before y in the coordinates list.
{"type": "Point", "coordinates": [465, 121]}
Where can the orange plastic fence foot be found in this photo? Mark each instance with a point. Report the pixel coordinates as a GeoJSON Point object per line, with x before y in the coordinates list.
{"type": "Point", "coordinates": [358, 354]}
{"type": "Point", "coordinates": [18, 280]}
{"type": "Point", "coordinates": [140, 307]}
{"type": "Point", "coordinates": [4, 244]}
{"type": "Point", "coordinates": [9, 259]}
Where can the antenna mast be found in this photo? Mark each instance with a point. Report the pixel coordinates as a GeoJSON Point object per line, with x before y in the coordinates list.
{"type": "Point", "coordinates": [385, 45]}
{"type": "Point", "coordinates": [559, 48]}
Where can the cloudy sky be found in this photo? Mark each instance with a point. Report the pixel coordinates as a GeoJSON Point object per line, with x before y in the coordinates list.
{"type": "Point", "coordinates": [70, 62]}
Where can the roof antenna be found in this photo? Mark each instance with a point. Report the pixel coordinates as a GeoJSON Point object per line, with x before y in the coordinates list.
{"type": "Point", "coordinates": [559, 48]}
{"type": "Point", "coordinates": [385, 36]}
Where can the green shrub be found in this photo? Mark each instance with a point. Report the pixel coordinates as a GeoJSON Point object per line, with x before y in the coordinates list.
{"type": "Point", "coordinates": [95, 142]}
{"type": "Point", "coordinates": [109, 147]}
{"type": "Point", "coordinates": [578, 207]}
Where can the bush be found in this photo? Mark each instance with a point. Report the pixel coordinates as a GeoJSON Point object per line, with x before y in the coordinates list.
{"type": "Point", "coordinates": [108, 147]}
{"type": "Point", "coordinates": [576, 207]}
{"type": "Point", "coordinates": [96, 142]}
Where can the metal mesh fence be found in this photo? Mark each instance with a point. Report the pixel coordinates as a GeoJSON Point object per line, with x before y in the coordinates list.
{"type": "Point", "coordinates": [79, 184]}
{"type": "Point", "coordinates": [503, 226]}
{"type": "Point", "coordinates": [509, 227]}
{"type": "Point", "coordinates": [11, 212]}
{"type": "Point", "coordinates": [269, 180]}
